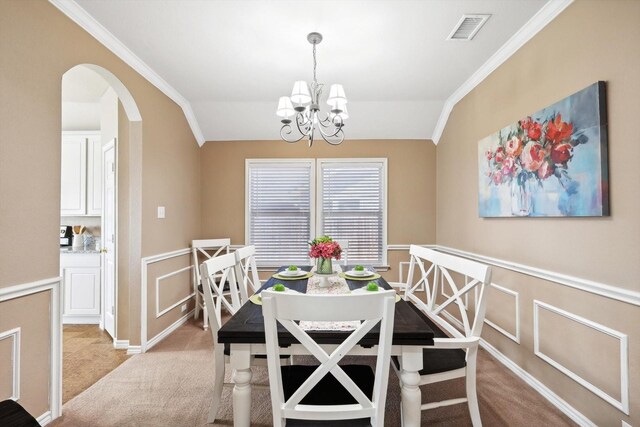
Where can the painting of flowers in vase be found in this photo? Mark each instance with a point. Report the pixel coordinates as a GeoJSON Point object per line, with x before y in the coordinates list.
{"type": "Point", "coordinates": [552, 163]}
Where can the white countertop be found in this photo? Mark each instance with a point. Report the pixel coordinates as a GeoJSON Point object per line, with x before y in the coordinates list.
{"type": "Point", "coordinates": [78, 250]}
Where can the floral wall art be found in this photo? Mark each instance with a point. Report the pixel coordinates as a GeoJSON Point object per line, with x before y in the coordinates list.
{"type": "Point", "coordinates": [550, 164]}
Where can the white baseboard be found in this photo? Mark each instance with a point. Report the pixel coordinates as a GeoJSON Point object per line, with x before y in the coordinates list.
{"type": "Point", "coordinates": [162, 335]}
{"type": "Point", "coordinates": [534, 383]}
{"type": "Point", "coordinates": [121, 344]}
{"type": "Point", "coordinates": [44, 419]}
{"type": "Point", "coordinates": [134, 349]}
{"type": "Point", "coordinates": [80, 320]}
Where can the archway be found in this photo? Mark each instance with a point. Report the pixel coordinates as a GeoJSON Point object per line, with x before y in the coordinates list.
{"type": "Point", "coordinates": [127, 152]}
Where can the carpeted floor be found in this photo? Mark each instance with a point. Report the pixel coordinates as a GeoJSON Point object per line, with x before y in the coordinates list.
{"type": "Point", "coordinates": [88, 355]}
{"type": "Point", "coordinates": [171, 386]}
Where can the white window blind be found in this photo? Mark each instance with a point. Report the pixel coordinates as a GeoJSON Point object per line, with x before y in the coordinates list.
{"type": "Point", "coordinates": [280, 210]}
{"type": "Point", "coordinates": [352, 204]}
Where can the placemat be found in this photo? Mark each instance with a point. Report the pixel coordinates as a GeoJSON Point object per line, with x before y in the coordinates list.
{"type": "Point", "coordinates": [374, 276]}
{"type": "Point", "coordinates": [306, 276]}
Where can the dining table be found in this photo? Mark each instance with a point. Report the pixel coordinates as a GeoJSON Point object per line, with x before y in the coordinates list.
{"type": "Point", "coordinates": [243, 336]}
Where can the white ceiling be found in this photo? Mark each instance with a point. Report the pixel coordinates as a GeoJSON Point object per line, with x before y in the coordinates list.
{"type": "Point", "coordinates": [231, 60]}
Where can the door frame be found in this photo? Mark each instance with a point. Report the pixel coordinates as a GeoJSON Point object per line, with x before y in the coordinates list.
{"type": "Point", "coordinates": [113, 142]}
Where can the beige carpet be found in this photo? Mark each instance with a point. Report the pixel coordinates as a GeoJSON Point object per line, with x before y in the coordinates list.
{"type": "Point", "coordinates": [171, 386]}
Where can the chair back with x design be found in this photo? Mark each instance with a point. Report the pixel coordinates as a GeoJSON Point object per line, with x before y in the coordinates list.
{"type": "Point", "coordinates": [222, 267]}
{"type": "Point", "coordinates": [369, 309]}
{"type": "Point", "coordinates": [247, 269]}
{"type": "Point", "coordinates": [438, 280]}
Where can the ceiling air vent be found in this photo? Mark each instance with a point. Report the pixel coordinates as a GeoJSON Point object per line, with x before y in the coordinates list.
{"type": "Point", "coordinates": [468, 27]}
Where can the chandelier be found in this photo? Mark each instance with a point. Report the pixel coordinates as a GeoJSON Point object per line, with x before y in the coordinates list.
{"type": "Point", "coordinates": [301, 111]}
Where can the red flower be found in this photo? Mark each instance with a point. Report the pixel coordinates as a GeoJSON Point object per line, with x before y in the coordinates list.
{"type": "Point", "coordinates": [561, 153]}
{"type": "Point", "coordinates": [499, 156]}
{"type": "Point", "coordinates": [534, 129]}
{"type": "Point", "coordinates": [489, 154]}
{"type": "Point", "coordinates": [558, 131]}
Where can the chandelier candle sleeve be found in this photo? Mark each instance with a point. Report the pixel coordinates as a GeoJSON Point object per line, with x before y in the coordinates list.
{"type": "Point", "coordinates": [300, 114]}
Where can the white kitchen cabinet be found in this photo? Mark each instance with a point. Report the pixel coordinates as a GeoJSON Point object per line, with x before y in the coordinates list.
{"type": "Point", "coordinates": [81, 288]}
{"type": "Point", "coordinates": [81, 177]}
{"type": "Point", "coordinates": [73, 178]}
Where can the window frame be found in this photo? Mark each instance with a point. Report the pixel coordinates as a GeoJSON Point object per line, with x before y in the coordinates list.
{"type": "Point", "coordinates": [355, 160]}
{"type": "Point", "coordinates": [278, 162]}
{"type": "Point", "coordinates": [315, 187]}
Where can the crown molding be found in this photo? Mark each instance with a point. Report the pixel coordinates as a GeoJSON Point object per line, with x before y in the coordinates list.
{"type": "Point", "coordinates": [87, 22]}
{"type": "Point", "coordinates": [544, 16]}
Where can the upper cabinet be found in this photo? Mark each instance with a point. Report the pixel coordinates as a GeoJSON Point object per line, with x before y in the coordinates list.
{"type": "Point", "coordinates": [81, 183]}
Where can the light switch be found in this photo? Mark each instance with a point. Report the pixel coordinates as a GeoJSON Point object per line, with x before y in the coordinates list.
{"type": "Point", "coordinates": [161, 212]}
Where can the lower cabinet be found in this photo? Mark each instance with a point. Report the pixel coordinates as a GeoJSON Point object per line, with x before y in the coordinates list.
{"type": "Point", "coordinates": [81, 288]}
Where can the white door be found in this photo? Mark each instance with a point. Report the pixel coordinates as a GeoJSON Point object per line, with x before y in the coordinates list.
{"type": "Point", "coordinates": [94, 175]}
{"type": "Point", "coordinates": [109, 235]}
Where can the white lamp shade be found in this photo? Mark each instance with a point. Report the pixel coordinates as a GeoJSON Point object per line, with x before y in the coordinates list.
{"type": "Point", "coordinates": [336, 94]}
{"type": "Point", "coordinates": [300, 93]}
{"type": "Point", "coordinates": [285, 108]}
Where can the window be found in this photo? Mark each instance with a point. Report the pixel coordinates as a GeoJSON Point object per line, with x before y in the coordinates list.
{"type": "Point", "coordinates": [281, 212]}
{"type": "Point", "coordinates": [352, 206]}
{"type": "Point", "coordinates": [280, 218]}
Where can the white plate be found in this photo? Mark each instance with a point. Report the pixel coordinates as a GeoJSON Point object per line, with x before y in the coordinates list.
{"type": "Point", "coordinates": [355, 273]}
{"type": "Point", "coordinates": [296, 273]}
{"type": "Point", "coordinates": [364, 290]}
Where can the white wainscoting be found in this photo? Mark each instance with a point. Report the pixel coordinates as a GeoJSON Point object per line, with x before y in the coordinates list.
{"type": "Point", "coordinates": [516, 300]}
{"type": "Point", "coordinates": [177, 303]}
{"type": "Point", "coordinates": [623, 403]}
{"type": "Point", "coordinates": [601, 289]}
{"type": "Point", "coordinates": [14, 336]}
{"type": "Point", "coordinates": [145, 262]}
{"type": "Point", "coordinates": [55, 358]}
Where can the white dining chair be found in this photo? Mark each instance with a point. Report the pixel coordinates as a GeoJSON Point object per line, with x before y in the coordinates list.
{"type": "Point", "coordinates": [204, 249]}
{"type": "Point", "coordinates": [247, 270]}
{"type": "Point", "coordinates": [223, 269]}
{"type": "Point", "coordinates": [455, 348]}
{"type": "Point", "coordinates": [344, 244]}
{"type": "Point", "coordinates": [218, 269]}
{"type": "Point", "coordinates": [328, 392]}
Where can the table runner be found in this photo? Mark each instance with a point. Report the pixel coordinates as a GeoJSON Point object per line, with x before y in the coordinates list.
{"type": "Point", "coordinates": [338, 286]}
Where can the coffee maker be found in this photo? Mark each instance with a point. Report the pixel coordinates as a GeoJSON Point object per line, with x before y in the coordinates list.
{"type": "Point", "coordinates": [66, 235]}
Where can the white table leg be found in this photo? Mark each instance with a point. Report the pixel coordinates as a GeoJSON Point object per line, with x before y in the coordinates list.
{"type": "Point", "coordinates": [410, 391]}
{"type": "Point", "coordinates": [241, 365]}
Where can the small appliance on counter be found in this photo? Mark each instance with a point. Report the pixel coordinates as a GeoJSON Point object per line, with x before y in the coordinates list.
{"type": "Point", "coordinates": [66, 235]}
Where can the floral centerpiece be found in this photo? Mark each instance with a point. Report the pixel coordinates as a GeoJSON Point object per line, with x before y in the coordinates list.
{"type": "Point", "coordinates": [324, 249]}
{"type": "Point", "coordinates": [532, 152]}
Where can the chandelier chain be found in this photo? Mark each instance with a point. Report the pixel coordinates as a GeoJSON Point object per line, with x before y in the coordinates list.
{"type": "Point", "coordinates": [315, 80]}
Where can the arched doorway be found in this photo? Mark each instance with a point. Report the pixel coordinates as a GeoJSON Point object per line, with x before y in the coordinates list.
{"type": "Point", "coordinates": [107, 153]}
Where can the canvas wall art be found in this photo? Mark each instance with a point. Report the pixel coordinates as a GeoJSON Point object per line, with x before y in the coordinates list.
{"type": "Point", "coordinates": [550, 164]}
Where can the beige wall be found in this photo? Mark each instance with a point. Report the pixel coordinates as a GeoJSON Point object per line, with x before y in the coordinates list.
{"type": "Point", "coordinates": [31, 315]}
{"type": "Point", "coordinates": [411, 184]}
{"type": "Point", "coordinates": [38, 44]}
{"type": "Point", "coordinates": [589, 41]}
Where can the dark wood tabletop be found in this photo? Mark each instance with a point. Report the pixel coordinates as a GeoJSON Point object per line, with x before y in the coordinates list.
{"type": "Point", "coordinates": [247, 325]}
